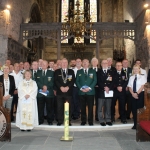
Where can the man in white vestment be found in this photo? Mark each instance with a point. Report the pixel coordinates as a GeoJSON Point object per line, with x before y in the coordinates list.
{"type": "Point", "coordinates": [27, 115]}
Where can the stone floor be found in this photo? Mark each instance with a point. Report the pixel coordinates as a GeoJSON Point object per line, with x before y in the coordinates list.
{"type": "Point", "coordinates": [93, 139]}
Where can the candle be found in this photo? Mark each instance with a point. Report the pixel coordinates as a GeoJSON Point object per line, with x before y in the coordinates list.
{"type": "Point", "coordinates": [66, 121]}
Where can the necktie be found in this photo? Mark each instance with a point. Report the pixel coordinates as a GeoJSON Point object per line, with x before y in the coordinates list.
{"type": "Point", "coordinates": [118, 72]}
{"type": "Point", "coordinates": [34, 74]}
{"type": "Point", "coordinates": [64, 74]}
{"type": "Point", "coordinates": [125, 70]}
{"type": "Point", "coordinates": [43, 72]}
{"type": "Point", "coordinates": [134, 84]}
{"type": "Point", "coordinates": [85, 71]}
{"type": "Point", "coordinates": [95, 69]}
{"type": "Point", "coordinates": [105, 72]}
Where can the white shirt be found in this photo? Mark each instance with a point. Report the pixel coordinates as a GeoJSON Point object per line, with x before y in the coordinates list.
{"type": "Point", "coordinates": [75, 73]}
{"type": "Point", "coordinates": [1, 72]}
{"type": "Point", "coordinates": [105, 70]}
{"type": "Point", "coordinates": [95, 68]}
{"type": "Point", "coordinates": [86, 70]}
{"type": "Point", "coordinates": [144, 73]}
{"type": "Point", "coordinates": [40, 68]}
{"type": "Point", "coordinates": [6, 86]}
{"type": "Point", "coordinates": [140, 81]}
{"type": "Point", "coordinates": [45, 72]}
{"type": "Point", "coordinates": [75, 70]}
{"type": "Point", "coordinates": [18, 77]}
{"type": "Point", "coordinates": [51, 69]}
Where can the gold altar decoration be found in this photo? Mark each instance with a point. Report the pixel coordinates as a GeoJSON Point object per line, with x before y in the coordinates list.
{"type": "Point", "coordinates": [77, 22]}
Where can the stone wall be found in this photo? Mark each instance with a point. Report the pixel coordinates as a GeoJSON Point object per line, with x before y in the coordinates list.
{"type": "Point", "coordinates": [10, 21]}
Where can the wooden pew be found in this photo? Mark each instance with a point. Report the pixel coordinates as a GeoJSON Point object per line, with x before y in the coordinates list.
{"type": "Point", "coordinates": [5, 120]}
{"type": "Point", "coordinates": [143, 117]}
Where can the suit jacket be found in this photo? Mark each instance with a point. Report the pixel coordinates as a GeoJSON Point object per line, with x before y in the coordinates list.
{"type": "Point", "coordinates": [120, 80]}
{"type": "Point", "coordinates": [11, 85]}
{"type": "Point", "coordinates": [112, 69]}
{"type": "Point", "coordinates": [97, 74]}
{"type": "Point", "coordinates": [59, 82]}
{"type": "Point", "coordinates": [33, 77]}
{"type": "Point", "coordinates": [89, 80]}
{"type": "Point", "coordinates": [148, 77]}
{"type": "Point", "coordinates": [105, 80]}
{"type": "Point", "coordinates": [47, 80]}
{"type": "Point", "coordinates": [129, 73]}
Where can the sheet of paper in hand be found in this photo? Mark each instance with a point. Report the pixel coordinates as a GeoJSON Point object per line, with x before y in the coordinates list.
{"type": "Point", "coordinates": [85, 86]}
{"type": "Point", "coordinates": [43, 93]}
{"type": "Point", "coordinates": [110, 94]}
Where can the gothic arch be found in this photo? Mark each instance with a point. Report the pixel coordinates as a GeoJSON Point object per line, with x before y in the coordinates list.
{"type": "Point", "coordinates": [35, 15]}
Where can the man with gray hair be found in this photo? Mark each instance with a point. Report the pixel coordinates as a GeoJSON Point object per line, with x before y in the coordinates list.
{"type": "Point", "coordinates": [110, 67]}
{"type": "Point", "coordinates": [94, 63]}
{"type": "Point", "coordinates": [105, 84]}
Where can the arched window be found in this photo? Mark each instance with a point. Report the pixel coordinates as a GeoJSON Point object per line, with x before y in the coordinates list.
{"type": "Point", "coordinates": [93, 12]}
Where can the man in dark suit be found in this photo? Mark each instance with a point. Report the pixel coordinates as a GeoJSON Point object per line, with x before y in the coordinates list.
{"type": "Point", "coordinates": [86, 80]}
{"type": "Point", "coordinates": [94, 63]}
{"type": "Point", "coordinates": [34, 70]}
{"type": "Point", "coordinates": [120, 84]}
{"type": "Point", "coordinates": [110, 67]}
{"type": "Point", "coordinates": [128, 72]}
{"type": "Point", "coordinates": [105, 84]}
{"type": "Point", "coordinates": [45, 83]}
{"type": "Point", "coordinates": [64, 81]}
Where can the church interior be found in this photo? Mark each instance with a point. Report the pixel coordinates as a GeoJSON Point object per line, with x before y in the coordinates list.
{"type": "Point", "coordinates": [71, 29]}
{"type": "Point", "coordinates": [33, 29]}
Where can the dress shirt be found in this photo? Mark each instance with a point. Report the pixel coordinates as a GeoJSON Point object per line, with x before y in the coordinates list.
{"type": "Point", "coordinates": [40, 68]}
{"type": "Point", "coordinates": [119, 72]}
{"type": "Point", "coordinates": [105, 69]}
{"type": "Point", "coordinates": [86, 70]}
{"type": "Point", "coordinates": [6, 86]}
{"type": "Point", "coordinates": [144, 73]}
{"type": "Point", "coordinates": [141, 80]}
{"type": "Point", "coordinates": [51, 69]}
{"type": "Point", "coordinates": [17, 77]}
{"type": "Point", "coordinates": [44, 71]}
{"type": "Point", "coordinates": [75, 73]}
{"type": "Point", "coordinates": [95, 68]}
{"type": "Point", "coordinates": [1, 72]}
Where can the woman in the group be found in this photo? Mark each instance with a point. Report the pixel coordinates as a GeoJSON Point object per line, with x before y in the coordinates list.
{"type": "Point", "coordinates": [8, 87]}
{"type": "Point", "coordinates": [136, 88]}
{"type": "Point", "coordinates": [27, 115]}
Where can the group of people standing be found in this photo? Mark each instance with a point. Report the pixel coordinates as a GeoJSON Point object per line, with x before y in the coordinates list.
{"type": "Point", "coordinates": [42, 89]}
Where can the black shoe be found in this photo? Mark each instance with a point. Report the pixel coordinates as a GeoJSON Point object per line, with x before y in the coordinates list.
{"type": "Point", "coordinates": [74, 118]}
{"type": "Point", "coordinates": [50, 123]}
{"type": "Point", "coordinates": [70, 124]}
{"type": "Point", "coordinates": [40, 123]}
{"type": "Point", "coordinates": [83, 123]}
{"type": "Point", "coordinates": [90, 124]}
{"type": "Point", "coordinates": [128, 118]}
{"type": "Point", "coordinates": [103, 124]}
{"type": "Point", "coordinates": [96, 119]}
{"type": "Point", "coordinates": [113, 120]}
{"type": "Point", "coordinates": [124, 121]}
{"type": "Point", "coordinates": [28, 130]}
{"type": "Point", "coordinates": [134, 128]}
{"type": "Point", "coordinates": [45, 117]}
{"type": "Point", "coordinates": [22, 130]}
{"type": "Point", "coordinates": [59, 124]}
{"type": "Point", "coordinates": [119, 117]}
{"type": "Point", "coordinates": [109, 123]}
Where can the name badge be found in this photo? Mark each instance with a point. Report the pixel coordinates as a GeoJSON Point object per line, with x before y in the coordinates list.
{"type": "Point", "coordinates": [109, 78]}
{"type": "Point", "coordinates": [49, 78]}
{"type": "Point", "coordinates": [91, 75]}
{"type": "Point", "coordinates": [69, 77]}
{"type": "Point", "coordinates": [123, 77]}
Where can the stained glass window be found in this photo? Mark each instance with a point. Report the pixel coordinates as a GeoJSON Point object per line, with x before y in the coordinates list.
{"type": "Point", "coordinates": [93, 13]}
{"type": "Point", "coordinates": [64, 12]}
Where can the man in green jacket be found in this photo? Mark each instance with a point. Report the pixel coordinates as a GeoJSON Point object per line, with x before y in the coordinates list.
{"type": "Point", "coordinates": [86, 80]}
{"type": "Point", "coordinates": [45, 83]}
